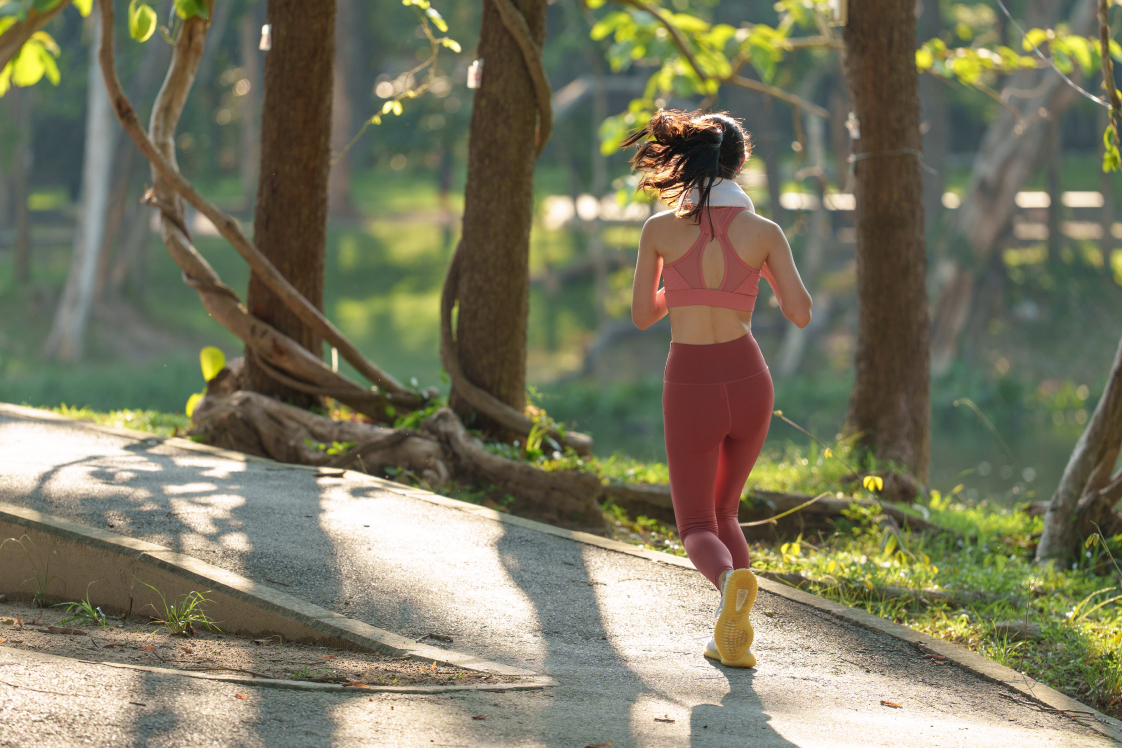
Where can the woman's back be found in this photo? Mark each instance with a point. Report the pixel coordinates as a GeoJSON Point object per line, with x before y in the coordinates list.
{"type": "Point", "coordinates": [720, 262]}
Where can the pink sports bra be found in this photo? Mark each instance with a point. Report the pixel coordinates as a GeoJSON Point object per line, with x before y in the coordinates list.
{"type": "Point", "coordinates": [684, 281]}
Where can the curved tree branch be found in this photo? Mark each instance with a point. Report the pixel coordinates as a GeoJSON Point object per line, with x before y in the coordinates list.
{"type": "Point", "coordinates": [480, 399]}
{"type": "Point", "coordinates": [228, 226]}
{"type": "Point", "coordinates": [516, 26]}
{"type": "Point", "coordinates": [733, 80]}
{"type": "Point", "coordinates": [16, 35]}
{"type": "Point", "coordinates": [278, 350]}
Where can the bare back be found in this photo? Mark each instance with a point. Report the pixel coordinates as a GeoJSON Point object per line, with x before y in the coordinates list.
{"type": "Point", "coordinates": [758, 242]}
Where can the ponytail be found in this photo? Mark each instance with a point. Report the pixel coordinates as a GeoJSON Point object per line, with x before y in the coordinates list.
{"type": "Point", "coordinates": [681, 151]}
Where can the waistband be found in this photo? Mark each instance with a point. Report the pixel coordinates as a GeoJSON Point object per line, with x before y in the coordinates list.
{"type": "Point", "coordinates": [715, 363]}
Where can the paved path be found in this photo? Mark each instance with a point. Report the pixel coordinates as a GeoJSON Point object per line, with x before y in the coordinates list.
{"type": "Point", "coordinates": [620, 634]}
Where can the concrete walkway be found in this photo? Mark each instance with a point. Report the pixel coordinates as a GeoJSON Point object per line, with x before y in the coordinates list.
{"type": "Point", "coordinates": [622, 635]}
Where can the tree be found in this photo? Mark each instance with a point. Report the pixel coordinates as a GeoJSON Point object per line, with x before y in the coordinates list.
{"type": "Point", "coordinates": [490, 272]}
{"type": "Point", "coordinates": [290, 217]}
{"type": "Point", "coordinates": [67, 336]}
{"type": "Point", "coordinates": [889, 405]}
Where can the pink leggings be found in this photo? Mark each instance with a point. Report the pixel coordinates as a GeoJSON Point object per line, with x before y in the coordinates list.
{"type": "Point", "coordinates": [716, 407]}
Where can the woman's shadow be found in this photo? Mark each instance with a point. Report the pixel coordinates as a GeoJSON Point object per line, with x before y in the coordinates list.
{"type": "Point", "coordinates": [740, 716]}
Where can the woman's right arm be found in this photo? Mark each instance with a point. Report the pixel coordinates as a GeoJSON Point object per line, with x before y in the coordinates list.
{"type": "Point", "coordinates": [648, 301]}
{"type": "Point", "coordinates": [780, 272]}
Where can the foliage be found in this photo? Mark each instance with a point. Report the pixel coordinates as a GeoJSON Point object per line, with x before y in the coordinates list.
{"type": "Point", "coordinates": [148, 421]}
{"type": "Point", "coordinates": [693, 56]}
{"type": "Point", "coordinates": [211, 361]}
{"type": "Point", "coordinates": [36, 58]}
{"type": "Point", "coordinates": [84, 611]}
{"type": "Point", "coordinates": [184, 614]}
{"type": "Point", "coordinates": [41, 569]}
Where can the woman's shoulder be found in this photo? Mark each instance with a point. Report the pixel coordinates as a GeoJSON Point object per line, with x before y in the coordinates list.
{"type": "Point", "coordinates": [749, 225]}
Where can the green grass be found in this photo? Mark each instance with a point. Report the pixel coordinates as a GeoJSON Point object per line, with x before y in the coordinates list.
{"type": "Point", "coordinates": [148, 421]}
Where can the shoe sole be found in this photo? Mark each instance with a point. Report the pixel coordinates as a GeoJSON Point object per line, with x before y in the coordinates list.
{"type": "Point", "coordinates": [733, 633]}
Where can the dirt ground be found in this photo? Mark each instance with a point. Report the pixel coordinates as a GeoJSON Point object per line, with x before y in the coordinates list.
{"type": "Point", "coordinates": [142, 642]}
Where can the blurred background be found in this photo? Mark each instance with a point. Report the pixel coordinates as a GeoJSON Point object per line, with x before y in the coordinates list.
{"type": "Point", "coordinates": [1033, 355]}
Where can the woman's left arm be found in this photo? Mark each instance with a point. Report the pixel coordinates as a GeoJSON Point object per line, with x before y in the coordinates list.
{"type": "Point", "coordinates": [648, 302]}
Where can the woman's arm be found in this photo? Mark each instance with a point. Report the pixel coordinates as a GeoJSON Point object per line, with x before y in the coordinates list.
{"type": "Point", "coordinates": [780, 272]}
{"type": "Point", "coordinates": [648, 302]}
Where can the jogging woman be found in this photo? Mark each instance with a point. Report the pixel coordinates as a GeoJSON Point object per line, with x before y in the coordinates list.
{"type": "Point", "coordinates": [710, 251]}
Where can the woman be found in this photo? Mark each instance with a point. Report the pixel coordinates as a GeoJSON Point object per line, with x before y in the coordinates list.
{"type": "Point", "coordinates": [717, 397]}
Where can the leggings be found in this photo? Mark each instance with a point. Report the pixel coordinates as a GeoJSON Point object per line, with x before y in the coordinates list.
{"type": "Point", "coordinates": [716, 407]}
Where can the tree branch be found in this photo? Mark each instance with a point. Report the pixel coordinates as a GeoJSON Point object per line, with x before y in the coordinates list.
{"type": "Point", "coordinates": [480, 399]}
{"type": "Point", "coordinates": [16, 35]}
{"type": "Point", "coordinates": [734, 80]}
{"type": "Point", "coordinates": [228, 226]}
{"type": "Point", "coordinates": [516, 26]}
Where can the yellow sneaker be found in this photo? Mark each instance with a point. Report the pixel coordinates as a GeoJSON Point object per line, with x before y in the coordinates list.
{"type": "Point", "coordinates": [733, 633]}
{"type": "Point", "coordinates": [711, 650]}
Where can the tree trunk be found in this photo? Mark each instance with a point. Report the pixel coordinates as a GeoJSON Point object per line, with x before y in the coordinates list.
{"type": "Point", "coordinates": [290, 219]}
{"type": "Point", "coordinates": [1011, 151]}
{"type": "Point", "coordinates": [889, 406]}
{"type": "Point", "coordinates": [115, 218]}
{"type": "Point", "coordinates": [494, 280]}
{"type": "Point", "coordinates": [21, 175]}
{"type": "Point", "coordinates": [339, 184]}
{"type": "Point", "coordinates": [1088, 471]}
{"type": "Point", "coordinates": [818, 234]}
{"type": "Point", "coordinates": [69, 329]}
{"type": "Point", "coordinates": [250, 122]}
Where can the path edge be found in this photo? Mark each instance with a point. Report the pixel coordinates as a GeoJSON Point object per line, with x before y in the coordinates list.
{"type": "Point", "coordinates": [964, 658]}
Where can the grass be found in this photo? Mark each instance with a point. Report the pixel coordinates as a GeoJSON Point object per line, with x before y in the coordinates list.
{"type": "Point", "coordinates": [148, 421]}
{"type": "Point", "coordinates": [184, 614]}
{"type": "Point", "coordinates": [84, 611]}
{"type": "Point", "coordinates": [41, 569]}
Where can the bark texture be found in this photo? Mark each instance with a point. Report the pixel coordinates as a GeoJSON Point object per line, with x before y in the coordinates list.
{"type": "Point", "coordinates": [290, 218]}
{"type": "Point", "coordinates": [889, 405]}
{"type": "Point", "coordinates": [68, 331]}
{"type": "Point", "coordinates": [1087, 491]}
{"type": "Point", "coordinates": [494, 284]}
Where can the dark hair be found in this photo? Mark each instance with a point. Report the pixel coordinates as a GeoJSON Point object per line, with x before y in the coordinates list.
{"type": "Point", "coordinates": [688, 150]}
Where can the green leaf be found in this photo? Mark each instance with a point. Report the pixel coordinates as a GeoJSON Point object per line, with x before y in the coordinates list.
{"type": "Point", "coordinates": [84, 6]}
{"type": "Point", "coordinates": [28, 67]}
{"type": "Point", "coordinates": [142, 21]}
{"type": "Point", "coordinates": [436, 18]}
{"type": "Point", "coordinates": [192, 403]}
{"type": "Point", "coordinates": [451, 44]}
{"type": "Point", "coordinates": [190, 8]}
{"type": "Point", "coordinates": [212, 361]}
{"type": "Point", "coordinates": [924, 59]}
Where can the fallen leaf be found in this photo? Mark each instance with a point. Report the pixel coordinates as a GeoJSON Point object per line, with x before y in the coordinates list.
{"type": "Point", "coordinates": [3, 640]}
{"type": "Point", "coordinates": [356, 684]}
{"type": "Point", "coordinates": [663, 719]}
{"type": "Point", "coordinates": [433, 665]}
{"type": "Point", "coordinates": [480, 716]}
{"type": "Point", "coordinates": [66, 630]}
{"type": "Point", "coordinates": [893, 704]}
{"type": "Point", "coordinates": [138, 703]}
{"type": "Point", "coordinates": [328, 657]}
{"type": "Point", "coordinates": [240, 696]}
{"type": "Point", "coordinates": [147, 649]}
{"type": "Point", "coordinates": [597, 745]}
{"type": "Point", "coordinates": [188, 650]}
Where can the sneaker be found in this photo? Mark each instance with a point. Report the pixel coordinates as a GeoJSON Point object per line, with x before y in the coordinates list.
{"type": "Point", "coordinates": [711, 650]}
{"type": "Point", "coordinates": [733, 633]}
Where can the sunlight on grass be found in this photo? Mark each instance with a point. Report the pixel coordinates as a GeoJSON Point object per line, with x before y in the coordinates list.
{"type": "Point", "coordinates": [148, 421]}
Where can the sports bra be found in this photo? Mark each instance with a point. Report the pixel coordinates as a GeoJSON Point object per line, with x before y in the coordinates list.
{"type": "Point", "coordinates": [684, 281]}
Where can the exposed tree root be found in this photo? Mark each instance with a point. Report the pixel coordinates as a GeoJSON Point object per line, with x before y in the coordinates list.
{"type": "Point", "coordinates": [654, 501]}
{"type": "Point", "coordinates": [256, 424]}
